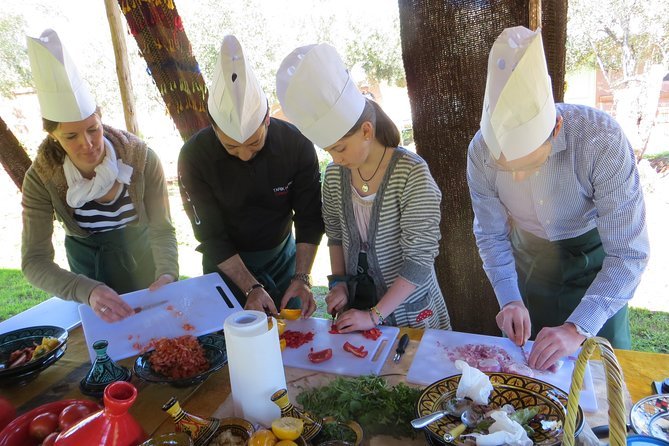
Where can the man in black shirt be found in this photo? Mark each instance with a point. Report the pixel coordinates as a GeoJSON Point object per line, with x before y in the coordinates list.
{"type": "Point", "coordinates": [243, 197]}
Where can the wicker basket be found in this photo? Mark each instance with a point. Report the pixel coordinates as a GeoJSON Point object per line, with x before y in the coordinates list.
{"type": "Point", "coordinates": [614, 390]}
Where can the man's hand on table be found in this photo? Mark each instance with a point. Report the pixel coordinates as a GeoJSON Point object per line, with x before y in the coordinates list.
{"type": "Point", "coordinates": [259, 300]}
{"type": "Point", "coordinates": [514, 320]}
{"type": "Point", "coordinates": [301, 290]}
{"type": "Point", "coordinates": [553, 343]}
{"type": "Point", "coordinates": [108, 305]}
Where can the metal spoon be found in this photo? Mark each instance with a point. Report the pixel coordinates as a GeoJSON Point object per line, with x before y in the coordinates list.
{"type": "Point", "coordinates": [455, 407]}
{"type": "Point", "coordinates": [470, 418]}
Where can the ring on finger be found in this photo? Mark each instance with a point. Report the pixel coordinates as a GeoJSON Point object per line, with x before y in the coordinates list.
{"type": "Point", "coordinates": [103, 309]}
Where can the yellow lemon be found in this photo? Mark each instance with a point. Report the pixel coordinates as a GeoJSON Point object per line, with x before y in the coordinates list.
{"type": "Point", "coordinates": [291, 313]}
{"type": "Point", "coordinates": [262, 437]}
{"type": "Point", "coordinates": [286, 443]}
{"type": "Point", "coordinates": [282, 344]}
{"type": "Point", "coordinates": [287, 428]}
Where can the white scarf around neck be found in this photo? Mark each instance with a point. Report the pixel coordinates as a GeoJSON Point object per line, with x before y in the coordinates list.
{"type": "Point", "coordinates": [81, 190]}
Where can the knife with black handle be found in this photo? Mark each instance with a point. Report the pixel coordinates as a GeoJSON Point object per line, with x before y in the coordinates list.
{"type": "Point", "coordinates": [401, 346]}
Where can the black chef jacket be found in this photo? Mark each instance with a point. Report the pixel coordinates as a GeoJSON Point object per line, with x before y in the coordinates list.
{"type": "Point", "coordinates": [244, 206]}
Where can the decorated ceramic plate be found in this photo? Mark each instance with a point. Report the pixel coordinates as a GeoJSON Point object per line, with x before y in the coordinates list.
{"type": "Point", "coordinates": [519, 391]}
{"type": "Point", "coordinates": [650, 416]}
{"type": "Point", "coordinates": [214, 351]}
{"type": "Point", "coordinates": [29, 337]}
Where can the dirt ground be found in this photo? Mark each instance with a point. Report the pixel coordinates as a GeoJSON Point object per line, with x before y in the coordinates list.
{"type": "Point", "coordinates": [652, 294]}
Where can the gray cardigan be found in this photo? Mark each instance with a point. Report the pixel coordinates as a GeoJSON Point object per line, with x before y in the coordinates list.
{"type": "Point", "coordinates": [403, 237]}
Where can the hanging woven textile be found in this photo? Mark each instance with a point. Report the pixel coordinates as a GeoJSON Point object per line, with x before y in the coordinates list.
{"type": "Point", "coordinates": [162, 41]}
{"type": "Point", "coordinates": [445, 47]}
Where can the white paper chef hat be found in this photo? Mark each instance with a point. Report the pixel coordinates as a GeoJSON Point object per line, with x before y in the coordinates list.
{"type": "Point", "coordinates": [318, 94]}
{"type": "Point", "coordinates": [63, 95]}
{"type": "Point", "coordinates": [236, 101]}
{"type": "Point", "coordinates": [518, 107]}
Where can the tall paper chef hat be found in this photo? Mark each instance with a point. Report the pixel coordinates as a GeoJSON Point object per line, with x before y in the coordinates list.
{"type": "Point", "coordinates": [63, 95]}
{"type": "Point", "coordinates": [318, 94]}
{"type": "Point", "coordinates": [518, 107]}
{"type": "Point", "coordinates": [236, 101]}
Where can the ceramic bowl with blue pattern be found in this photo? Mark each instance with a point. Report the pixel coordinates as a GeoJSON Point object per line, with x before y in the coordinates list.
{"type": "Point", "coordinates": [214, 351]}
{"type": "Point", "coordinates": [23, 338]}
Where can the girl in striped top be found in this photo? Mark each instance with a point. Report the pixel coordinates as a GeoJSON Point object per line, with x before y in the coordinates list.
{"type": "Point", "coordinates": [381, 206]}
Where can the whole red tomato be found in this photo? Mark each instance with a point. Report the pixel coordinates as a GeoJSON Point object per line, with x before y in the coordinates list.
{"type": "Point", "coordinates": [50, 439]}
{"type": "Point", "coordinates": [7, 413]}
{"type": "Point", "coordinates": [71, 415]}
{"type": "Point", "coordinates": [42, 425]}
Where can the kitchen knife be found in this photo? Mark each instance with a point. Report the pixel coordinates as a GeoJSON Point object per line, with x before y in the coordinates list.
{"type": "Point", "coordinates": [149, 306]}
{"type": "Point", "coordinates": [526, 356]}
{"type": "Point", "coordinates": [401, 346]}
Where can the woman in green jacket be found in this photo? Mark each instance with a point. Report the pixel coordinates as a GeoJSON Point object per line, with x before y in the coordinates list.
{"type": "Point", "coordinates": [104, 185]}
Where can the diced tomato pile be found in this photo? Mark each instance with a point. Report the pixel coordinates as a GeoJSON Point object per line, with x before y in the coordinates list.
{"type": "Point", "coordinates": [295, 339]}
{"type": "Point", "coordinates": [319, 356]}
{"type": "Point", "coordinates": [360, 352]}
{"type": "Point", "coordinates": [178, 358]}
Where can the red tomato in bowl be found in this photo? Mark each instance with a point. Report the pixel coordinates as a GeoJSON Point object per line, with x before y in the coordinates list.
{"type": "Point", "coordinates": [42, 425]}
{"type": "Point", "coordinates": [50, 440]}
{"type": "Point", "coordinates": [7, 413]}
{"type": "Point", "coordinates": [71, 415]}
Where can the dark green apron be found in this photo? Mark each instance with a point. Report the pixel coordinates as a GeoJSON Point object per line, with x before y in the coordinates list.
{"type": "Point", "coordinates": [274, 268]}
{"type": "Point", "coordinates": [553, 277]}
{"type": "Point", "coordinates": [121, 258]}
{"type": "Point", "coordinates": [364, 296]}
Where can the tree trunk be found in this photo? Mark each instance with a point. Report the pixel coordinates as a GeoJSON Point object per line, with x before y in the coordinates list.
{"type": "Point", "coordinates": [13, 155]}
{"type": "Point", "coordinates": [160, 36]}
{"type": "Point", "coordinates": [445, 48]}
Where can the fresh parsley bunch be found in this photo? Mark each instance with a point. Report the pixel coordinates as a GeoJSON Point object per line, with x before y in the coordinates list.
{"type": "Point", "coordinates": [369, 400]}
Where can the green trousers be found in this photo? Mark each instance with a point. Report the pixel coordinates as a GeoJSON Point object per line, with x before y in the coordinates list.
{"type": "Point", "coordinates": [553, 277]}
{"type": "Point", "coordinates": [121, 258]}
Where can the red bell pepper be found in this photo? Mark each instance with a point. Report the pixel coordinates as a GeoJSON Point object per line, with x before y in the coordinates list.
{"type": "Point", "coordinates": [360, 352]}
{"type": "Point", "coordinates": [319, 356]}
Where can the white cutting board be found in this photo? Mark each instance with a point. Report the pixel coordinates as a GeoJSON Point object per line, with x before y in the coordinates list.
{"type": "Point", "coordinates": [342, 362]}
{"type": "Point", "coordinates": [431, 362]}
{"type": "Point", "coordinates": [203, 302]}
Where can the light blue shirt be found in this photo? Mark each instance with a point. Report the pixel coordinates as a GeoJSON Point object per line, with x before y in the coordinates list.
{"type": "Point", "coordinates": [589, 180]}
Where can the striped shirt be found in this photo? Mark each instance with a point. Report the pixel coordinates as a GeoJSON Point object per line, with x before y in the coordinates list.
{"type": "Point", "coordinates": [402, 238]}
{"type": "Point", "coordinates": [589, 180]}
{"type": "Point", "coordinates": [98, 217]}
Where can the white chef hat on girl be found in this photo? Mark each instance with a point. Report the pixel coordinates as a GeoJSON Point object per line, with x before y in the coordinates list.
{"type": "Point", "coordinates": [518, 107]}
{"type": "Point", "coordinates": [64, 96]}
{"type": "Point", "coordinates": [236, 101]}
{"type": "Point", "coordinates": [318, 94]}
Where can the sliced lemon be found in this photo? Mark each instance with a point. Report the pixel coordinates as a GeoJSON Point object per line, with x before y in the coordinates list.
{"type": "Point", "coordinates": [287, 428]}
{"type": "Point", "coordinates": [291, 314]}
{"type": "Point", "coordinates": [263, 437]}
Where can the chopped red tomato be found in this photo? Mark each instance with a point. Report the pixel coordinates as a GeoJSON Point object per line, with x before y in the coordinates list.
{"type": "Point", "coordinates": [373, 334]}
{"type": "Point", "coordinates": [333, 330]}
{"type": "Point", "coordinates": [360, 352]}
{"type": "Point", "coordinates": [295, 339]}
{"type": "Point", "coordinates": [188, 327]}
{"type": "Point", "coordinates": [319, 356]}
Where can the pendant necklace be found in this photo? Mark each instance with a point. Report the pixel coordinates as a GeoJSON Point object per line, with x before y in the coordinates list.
{"type": "Point", "coordinates": [365, 186]}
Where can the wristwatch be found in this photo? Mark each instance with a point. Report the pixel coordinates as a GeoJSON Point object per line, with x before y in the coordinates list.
{"type": "Point", "coordinates": [303, 277]}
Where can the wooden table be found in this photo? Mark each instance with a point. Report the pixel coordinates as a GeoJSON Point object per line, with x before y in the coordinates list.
{"type": "Point", "coordinates": [62, 381]}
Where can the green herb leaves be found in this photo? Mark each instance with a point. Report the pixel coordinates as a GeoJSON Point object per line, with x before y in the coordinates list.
{"type": "Point", "coordinates": [369, 400]}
